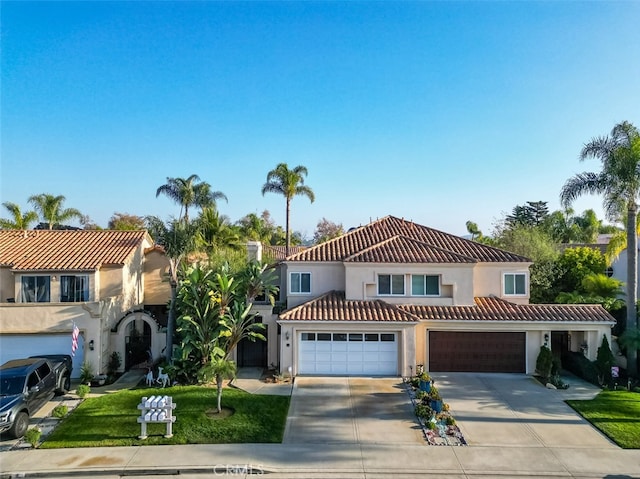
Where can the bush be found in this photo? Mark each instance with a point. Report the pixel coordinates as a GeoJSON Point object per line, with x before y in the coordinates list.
{"type": "Point", "coordinates": [83, 390]}
{"type": "Point", "coordinates": [114, 363]}
{"type": "Point", "coordinates": [450, 421]}
{"type": "Point", "coordinates": [579, 365]}
{"type": "Point", "coordinates": [604, 361]}
{"type": "Point", "coordinates": [423, 411]}
{"type": "Point", "coordinates": [32, 436]}
{"type": "Point", "coordinates": [60, 411]}
{"type": "Point", "coordinates": [544, 363]}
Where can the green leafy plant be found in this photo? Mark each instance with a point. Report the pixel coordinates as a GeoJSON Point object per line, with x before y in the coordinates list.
{"type": "Point", "coordinates": [420, 395]}
{"type": "Point", "coordinates": [83, 390]}
{"type": "Point", "coordinates": [114, 363]}
{"type": "Point", "coordinates": [430, 425]}
{"type": "Point", "coordinates": [415, 382]}
{"type": "Point", "coordinates": [604, 361]}
{"type": "Point", "coordinates": [86, 373]}
{"type": "Point", "coordinates": [450, 421]}
{"type": "Point", "coordinates": [544, 362]}
{"type": "Point", "coordinates": [423, 411]}
{"type": "Point", "coordinates": [32, 436]}
{"type": "Point", "coordinates": [60, 411]}
{"type": "Point", "coordinates": [434, 394]}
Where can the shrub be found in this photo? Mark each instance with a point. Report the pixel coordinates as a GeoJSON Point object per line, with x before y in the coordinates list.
{"type": "Point", "coordinates": [32, 436]}
{"type": "Point", "coordinates": [430, 425]}
{"type": "Point", "coordinates": [423, 411]}
{"type": "Point", "coordinates": [450, 421]}
{"type": "Point", "coordinates": [435, 394]}
{"type": "Point", "coordinates": [544, 363]}
{"type": "Point", "coordinates": [581, 367]}
{"type": "Point", "coordinates": [114, 363]}
{"type": "Point", "coordinates": [420, 395]}
{"type": "Point", "coordinates": [604, 361]}
{"type": "Point", "coordinates": [60, 411]}
{"type": "Point", "coordinates": [415, 382]}
{"type": "Point", "coordinates": [83, 390]}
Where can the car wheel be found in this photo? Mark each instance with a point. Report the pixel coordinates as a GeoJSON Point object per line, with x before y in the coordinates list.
{"type": "Point", "coordinates": [20, 425]}
{"type": "Point", "coordinates": [64, 388]}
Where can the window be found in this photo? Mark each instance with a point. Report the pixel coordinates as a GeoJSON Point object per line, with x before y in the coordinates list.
{"type": "Point", "coordinates": [308, 336]}
{"type": "Point", "coordinates": [35, 289]}
{"type": "Point", "coordinates": [515, 284]}
{"type": "Point", "coordinates": [387, 337]}
{"type": "Point", "coordinates": [74, 289]}
{"type": "Point", "coordinates": [425, 285]}
{"type": "Point", "coordinates": [391, 284]}
{"type": "Point", "coordinates": [300, 283]}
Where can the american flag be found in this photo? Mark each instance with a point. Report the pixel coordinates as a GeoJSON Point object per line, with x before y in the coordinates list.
{"type": "Point", "coordinates": [74, 339]}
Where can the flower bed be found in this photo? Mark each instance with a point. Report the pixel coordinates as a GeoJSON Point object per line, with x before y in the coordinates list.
{"type": "Point", "coordinates": [438, 425]}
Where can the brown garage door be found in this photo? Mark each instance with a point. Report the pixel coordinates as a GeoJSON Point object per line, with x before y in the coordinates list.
{"type": "Point", "coordinates": [461, 351]}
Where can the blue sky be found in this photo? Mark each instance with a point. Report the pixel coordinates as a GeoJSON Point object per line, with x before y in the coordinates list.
{"type": "Point", "coordinates": [438, 112]}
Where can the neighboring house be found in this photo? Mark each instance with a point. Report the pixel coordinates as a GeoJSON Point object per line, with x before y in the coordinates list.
{"type": "Point", "coordinates": [393, 294]}
{"type": "Point", "coordinates": [110, 284]}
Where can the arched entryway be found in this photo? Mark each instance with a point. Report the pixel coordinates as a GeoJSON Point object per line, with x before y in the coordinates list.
{"type": "Point", "coordinates": [138, 339]}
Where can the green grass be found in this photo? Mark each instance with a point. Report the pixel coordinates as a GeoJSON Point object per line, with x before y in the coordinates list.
{"type": "Point", "coordinates": [616, 414]}
{"type": "Point", "coordinates": [110, 420]}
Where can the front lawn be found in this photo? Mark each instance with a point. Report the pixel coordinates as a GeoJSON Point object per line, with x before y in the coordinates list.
{"type": "Point", "coordinates": [615, 413]}
{"type": "Point", "coordinates": [110, 420]}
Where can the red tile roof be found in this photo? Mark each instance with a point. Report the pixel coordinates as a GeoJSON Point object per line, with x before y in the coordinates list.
{"type": "Point", "coordinates": [356, 241]}
{"type": "Point", "coordinates": [279, 252]}
{"type": "Point", "coordinates": [496, 309]}
{"type": "Point", "coordinates": [80, 250]}
{"type": "Point", "coordinates": [401, 249]}
{"type": "Point", "coordinates": [334, 307]}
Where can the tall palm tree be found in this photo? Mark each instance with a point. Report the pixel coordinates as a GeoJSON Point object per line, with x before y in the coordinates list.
{"type": "Point", "coordinates": [188, 192]}
{"type": "Point", "coordinates": [288, 183]}
{"type": "Point", "coordinates": [50, 209]}
{"type": "Point", "coordinates": [178, 240]}
{"type": "Point", "coordinates": [619, 183]}
{"type": "Point", "coordinates": [20, 221]}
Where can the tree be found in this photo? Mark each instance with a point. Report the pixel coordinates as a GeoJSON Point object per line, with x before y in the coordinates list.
{"type": "Point", "coordinates": [178, 240]}
{"type": "Point", "coordinates": [50, 210]}
{"type": "Point", "coordinates": [326, 230]}
{"type": "Point", "coordinates": [575, 264]}
{"type": "Point", "coordinates": [125, 221]}
{"type": "Point", "coordinates": [619, 183]}
{"type": "Point", "coordinates": [604, 361]}
{"type": "Point", "coordinates": [188, 192]}
{"type": "Point", "coordinates": [215, 231]}
{"type": "Point", "coordinates": [288, 183]}
{"type": "Point", "coordinates": [473, 230]}
{"type": "Point", "coordinates": [220, 368]}
{"type": "Point", "coordinates": [533, 213]}
{"type": "Point", "coordinates": [257, 228]}
{"type": "Point", "coordinates": [19, 221]}
{"type": "Point", "coordinates": [259, 280]}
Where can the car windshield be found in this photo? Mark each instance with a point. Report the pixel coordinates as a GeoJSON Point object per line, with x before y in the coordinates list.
{"type": "Point", "coordinates": [10, 385]}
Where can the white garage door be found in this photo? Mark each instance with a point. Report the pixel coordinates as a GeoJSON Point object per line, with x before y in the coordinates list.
{"type": "Point", "coordinates": [17, 346]}
{"type": "Point", "coordinates": [348, 353]}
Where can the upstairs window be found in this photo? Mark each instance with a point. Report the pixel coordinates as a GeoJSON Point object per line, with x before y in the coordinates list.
{"type": "Point", "coordinates": [300, 283]}
{"type": "Point", "coordinates": [74, 289]}
{"type": "Point", "coordinates": [515, 284]}
{"type": "Point", "coordinates": [35, 289]}
{"type": "Point", "coordinates": [391, 284]}
{"type": "Point", "coordinates": [425, 285]}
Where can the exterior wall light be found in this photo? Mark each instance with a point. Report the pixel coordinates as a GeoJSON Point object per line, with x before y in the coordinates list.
{"type": "Point", "coordinates": [91, 345]}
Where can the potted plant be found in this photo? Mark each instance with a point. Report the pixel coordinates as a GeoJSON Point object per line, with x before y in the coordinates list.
{"type": "Point", "coordinates": [435, 400]}
{"type": "Point", "coordinates": [424, 382]}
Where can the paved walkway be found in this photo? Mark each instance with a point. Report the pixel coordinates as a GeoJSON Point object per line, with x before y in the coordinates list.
{"type": "Point", "coordinates": [349, 459]}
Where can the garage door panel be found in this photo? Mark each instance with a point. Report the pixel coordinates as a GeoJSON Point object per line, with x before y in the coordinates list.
{"type": "Point", "coordinates": [18, 346]}
{"type": "Point", "coordinates": [348, 354]}
{"type": "Point", "coordinates": [462, 351]}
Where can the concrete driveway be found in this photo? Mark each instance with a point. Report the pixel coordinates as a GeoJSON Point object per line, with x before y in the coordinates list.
{"type": "Point", "coordinates": [351, 410]}
{"type": "Point", "coordinates": [513, 410]}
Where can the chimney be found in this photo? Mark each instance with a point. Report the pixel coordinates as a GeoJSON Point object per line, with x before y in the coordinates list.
{"type": "Point", "coordinates": [254, 250]}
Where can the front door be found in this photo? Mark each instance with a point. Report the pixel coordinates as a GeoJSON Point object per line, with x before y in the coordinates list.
{"type": "Point", "coordinates": [253, 354]}
{"type": "Point", "coordinates": [559, 344]}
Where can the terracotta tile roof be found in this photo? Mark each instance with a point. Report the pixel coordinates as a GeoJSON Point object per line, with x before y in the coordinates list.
{"type": "Point", "coordinates": [401, 249]}
{"type": "Point", "coordinates": [81, 250]}
{"type": "Point", "coordinates": [334, 307]}
{"type": "Point", "coordinates": [379, 231]}
{"type": "Point", "coordinates": [496, 309]}
{"type": "Point", "coordinates": [279, 252]}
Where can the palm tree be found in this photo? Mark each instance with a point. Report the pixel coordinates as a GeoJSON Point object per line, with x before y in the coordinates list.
{"type": "Point", "coordinates": [288, 183]}
{"type": "Point", "coordinates": [178, 239]}
{"type": "Point", "coordinates": [187, 192]}
{"type": "Point", "coordinates": [20, 221]}
{"type": "Point", "coordinates": [220, 367]}
{"type": "Point", "coordinates": [50, 209]}
{"type": "Point", "coordinates": [619, 183]}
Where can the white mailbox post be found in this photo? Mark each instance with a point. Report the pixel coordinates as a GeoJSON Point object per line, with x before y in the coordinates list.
{"type": "Point", "coordinates": [156, 409]}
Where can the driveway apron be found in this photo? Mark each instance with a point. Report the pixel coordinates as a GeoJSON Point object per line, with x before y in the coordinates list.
{"type": "Point", "coordinates": [515, 410]}
{"type": "Point", "coordinates": [351, 410]}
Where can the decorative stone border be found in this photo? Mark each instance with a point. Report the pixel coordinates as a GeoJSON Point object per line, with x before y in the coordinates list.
{"type": "Point", "coordinates": [452, 435]}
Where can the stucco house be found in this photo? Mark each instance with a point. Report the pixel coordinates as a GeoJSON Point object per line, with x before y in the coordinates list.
{"type": "Point", "coordinates": [393, 294]}
{"type": "Point", "coordinates": [110, 284]}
